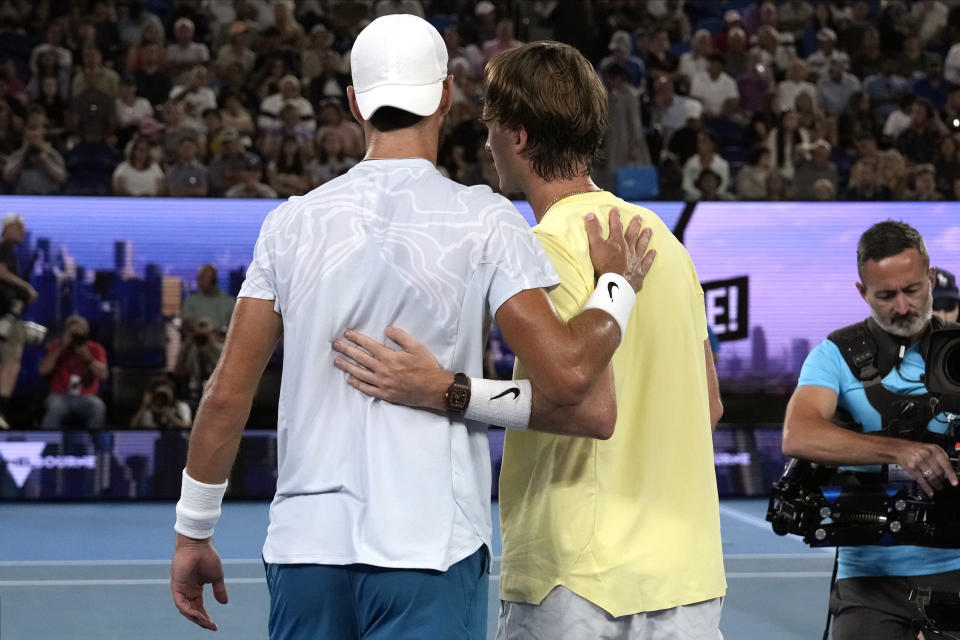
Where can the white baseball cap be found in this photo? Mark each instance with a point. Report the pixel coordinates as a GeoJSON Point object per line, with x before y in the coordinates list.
{"type": "Point", "coordinates": [398, 61]}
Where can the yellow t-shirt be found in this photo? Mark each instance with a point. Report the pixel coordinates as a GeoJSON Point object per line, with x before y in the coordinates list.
{"type": "Point", "coordinates": [631, 523]}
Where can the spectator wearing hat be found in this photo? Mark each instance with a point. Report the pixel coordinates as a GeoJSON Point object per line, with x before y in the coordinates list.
{"type": "Point", "coordinates": [250, 185]}
{"type": "Point", "coordinates": [813, 165]}
{"type": "Point", "coordinates": [731, 20]}
{"type": "Point", "coordinates": [504, 41]}
{"type": "Point", "coordinates": [946, 295]}
{"type": "Point", "coordinates": [139, 174]}
{"type": "Point", "coordinates": [697, 59]}
{"type": "Point", "coordinates": [183, 53]}
{"type": "Point", "coordinates": [620, 54]}
{"type": "Point", "coordinates": [820, 60]}
{"type": "Point", "coordinates": [715, 89]}
{"type": "Point", "coordinates": [227, 165]}
{"type": "Point", "coordinates": [152, 82]}
{"type": "Point", "coordinates": [486, 15]}
{"type": "Point", "coordinates": [236, 50]}
{"type": "Point", "coordinates": [187, 177]}
{"type": "Point", "coordinates": [835, 89]}
{"type": "Point", "coordinates": [36, 167]}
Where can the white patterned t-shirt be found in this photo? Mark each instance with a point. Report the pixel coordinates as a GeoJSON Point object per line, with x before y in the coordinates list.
{"type": "Point", "coordinates": [389, 243]}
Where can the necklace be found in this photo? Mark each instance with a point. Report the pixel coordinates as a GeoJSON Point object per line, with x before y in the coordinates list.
{"type": "Point", "coordinates": [567, 194]}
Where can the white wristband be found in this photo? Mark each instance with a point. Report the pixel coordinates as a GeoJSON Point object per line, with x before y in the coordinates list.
{"type": "Point", "coordinates": [199, 507]}
{"type": "Point", "coordinates": [504, 403]}
{"type": "Point", "coordinates": [615, 296]}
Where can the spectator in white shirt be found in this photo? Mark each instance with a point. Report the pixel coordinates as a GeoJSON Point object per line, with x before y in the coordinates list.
{"type": "Point", "coordinates": [929, 17]}
{"type": "Point", "coordinates": [139, 174]}
{"type": "Point", "coordinates": [696, 60]}
{"type": "Point", "coordinates": [819, 61]}
{"type": "Point", "coordinates": [271, 106]}
{"type": "Point", "coordinates": [951, 65]}
{"type": "Point", "coordinates": [184, 54]}
{"type": "Point", "coordinates": [54, 44]}
{"type": "Point", "coordinates": [131, 108]}
{"type": "Point", "coordinates": [716, 89]}
{"type": "Point", "coordinates": [795, 83]}
{"type": "Point", "coordinates": [705, 158]}
{"type": "Point", "coordinates": [196, 96]}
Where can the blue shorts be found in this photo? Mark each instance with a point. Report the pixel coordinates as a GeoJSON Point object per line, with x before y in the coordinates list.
{"type": "Point", "coordinates": [354, 602]}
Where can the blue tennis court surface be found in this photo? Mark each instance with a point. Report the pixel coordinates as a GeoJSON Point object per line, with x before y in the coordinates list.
{"type": "Point", "coordinates": [100, 571]}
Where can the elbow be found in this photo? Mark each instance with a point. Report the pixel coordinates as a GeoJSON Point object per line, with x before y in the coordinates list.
{"type": "Point", "coordinates": [789, 444]}
{"type": "Point", "coordinates": [572, 386]}
{"type": "Point", "coordinates": [716, 412]}
{"type": "Point", "coordinates": [605, 424]}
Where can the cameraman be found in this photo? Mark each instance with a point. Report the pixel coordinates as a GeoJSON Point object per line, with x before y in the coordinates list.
{"type": "Point", "coordinates": [15, 292]}
{"type": "Point", "coordinates": [36, 167]}
{"type": "Point", "coordinates": [869, 598]}
{"type": "Point", "coordinates": [77, 364]}
{"type": "Point", "coordinates": [160, 408]}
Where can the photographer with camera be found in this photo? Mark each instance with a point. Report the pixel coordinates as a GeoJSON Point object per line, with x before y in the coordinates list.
{"type": "Point", "coordinates": [886, 394]}
{"type": "Point", "coordinates": [77, 365]}
{"type": "Point", "coordinates": [161, 409]}
{"type": "Point", "coordinates": [15, 294]}
{"type": "Point", "coordinates": [199, 353]}
{"type": "Point", "coordinates": [36, 167]}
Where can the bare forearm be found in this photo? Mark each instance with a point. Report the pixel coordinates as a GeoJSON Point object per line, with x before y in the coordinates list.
{"type": "Point", "coordinates": [215, 438]}
{"type": "Point", "coordinates": [818, 440]}
{"type": "Point", "coordinates": [49, 361]}
{"type": "Point", "coordinates": [595, 417]}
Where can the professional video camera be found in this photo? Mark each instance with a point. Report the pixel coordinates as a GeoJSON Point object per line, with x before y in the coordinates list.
{"type": "Point", "coordinates": [829, 507]}
{"type": "Point", "coordinates": [34, 333]}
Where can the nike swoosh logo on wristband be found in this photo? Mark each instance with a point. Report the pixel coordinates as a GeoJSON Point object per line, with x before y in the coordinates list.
{"type": "Point", "coordinates": [514, 390]}
{"type": "Point", "coordinates": [610, 286]}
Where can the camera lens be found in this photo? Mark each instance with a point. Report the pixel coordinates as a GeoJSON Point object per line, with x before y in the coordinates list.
{"type": "Point", "coordinates": [951, 362]}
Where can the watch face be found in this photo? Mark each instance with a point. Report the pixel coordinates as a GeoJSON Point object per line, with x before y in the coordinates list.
{"type": "Point", "coordinates": [457, 398]}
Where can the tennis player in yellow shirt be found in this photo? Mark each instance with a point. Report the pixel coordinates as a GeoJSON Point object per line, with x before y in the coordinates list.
{"type": "Point", "coordinates": [608, 535]}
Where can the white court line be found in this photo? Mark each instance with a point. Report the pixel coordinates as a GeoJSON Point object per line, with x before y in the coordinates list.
{"type": "Point", "coordinates": [741, 575]}
{"type": "Point", "coordinates": [815, 554]}
{"type": "Point", "coordinates": [106, 563]}
{"type": "Point", "coordinates": [112, 583]}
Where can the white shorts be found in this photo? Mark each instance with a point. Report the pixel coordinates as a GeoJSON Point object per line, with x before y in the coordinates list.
{"type": "Point", "coordinates": [563, 615]}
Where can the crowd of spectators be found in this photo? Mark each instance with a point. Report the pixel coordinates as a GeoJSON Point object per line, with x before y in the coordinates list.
{"type": "Point", "coordinates": [746, 99]}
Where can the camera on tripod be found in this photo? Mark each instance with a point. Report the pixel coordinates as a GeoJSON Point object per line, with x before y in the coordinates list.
{"type": "Point", "coordinates": [33, 333]}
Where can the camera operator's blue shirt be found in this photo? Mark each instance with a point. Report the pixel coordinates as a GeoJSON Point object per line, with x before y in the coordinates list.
{"type": "Point", "coordinates": [825, 367]}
